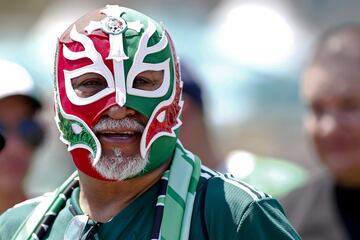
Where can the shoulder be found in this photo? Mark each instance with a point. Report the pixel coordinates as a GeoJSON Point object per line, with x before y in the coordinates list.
{"type": "Point", "coordinates": [317, 191]}
{"type": "Point", "coordinates": [315, 199]}
{"type": "Point", "coordinates": [242, 209]}
{"type": "Point", "coordinates": [225, 189]}
{"type": "Point", "coordinates": [11, 220]}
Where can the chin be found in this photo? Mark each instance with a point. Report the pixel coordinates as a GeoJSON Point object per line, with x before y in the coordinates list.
{"type": "Point", "coordinates": [119, 168]}
{"type": "Point", "coordinates": [346, 171]}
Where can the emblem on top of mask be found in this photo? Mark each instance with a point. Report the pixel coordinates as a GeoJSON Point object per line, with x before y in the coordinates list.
{"type": "Point", "coordinates": [113, 25]}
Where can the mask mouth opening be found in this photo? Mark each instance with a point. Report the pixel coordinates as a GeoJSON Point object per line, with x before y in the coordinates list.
{"type": "Point", "coordinates": [119, 131]}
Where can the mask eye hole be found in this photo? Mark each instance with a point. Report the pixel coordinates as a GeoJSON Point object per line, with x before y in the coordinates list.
{"type": "Point", "coordinates": [148, 80]}
{"type": "Point", "coordinates": [88, 84]}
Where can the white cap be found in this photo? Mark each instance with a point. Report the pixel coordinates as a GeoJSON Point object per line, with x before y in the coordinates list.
{"type": "Point", "coordinates": [16, 80]}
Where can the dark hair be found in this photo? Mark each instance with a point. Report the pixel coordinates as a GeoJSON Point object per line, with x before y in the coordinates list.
{"type": "Point", "coordinates": [191, 84]}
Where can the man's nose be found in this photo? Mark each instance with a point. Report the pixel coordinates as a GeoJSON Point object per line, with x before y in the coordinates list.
{"type": "Point", "coordinates": [117, 112]}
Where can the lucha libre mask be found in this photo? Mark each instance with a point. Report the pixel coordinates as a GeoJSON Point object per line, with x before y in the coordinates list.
{"type": "Point", "coordinates": [117, 43]}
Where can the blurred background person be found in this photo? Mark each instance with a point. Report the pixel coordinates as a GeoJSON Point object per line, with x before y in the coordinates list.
{"type": "Point", "coordinates": [327, 207]}
{"type": "Point", "coordinates": [272, 175]}
{"type": "Point", "coordinates": [194, 133]}
{"type": "Point", "coordinates": [23, 133]}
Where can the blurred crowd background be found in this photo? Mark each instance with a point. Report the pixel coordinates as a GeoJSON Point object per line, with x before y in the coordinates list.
{"type": "Point", "coordinates": [248, 54]}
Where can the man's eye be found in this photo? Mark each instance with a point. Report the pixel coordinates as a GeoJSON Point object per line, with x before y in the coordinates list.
{"type": "Point", "coordinates": [350, 105]}
{"type": "Point", "coordinates": [88, 84]}
{"type": "Point", "coordinates": [318, 111]}
{"type": "Point", "coordinates": [143, 83]}
{"type": "Point", "coordinates": [148, 80]}
{"type": "Point", "coordinates": [93, 82]}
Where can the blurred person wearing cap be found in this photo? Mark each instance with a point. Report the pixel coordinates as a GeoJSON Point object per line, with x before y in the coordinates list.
{"type": "Point", "coordinates": [118, 102]}
{"type": "Point", "coordinates": [23, 134]}
{"type": "Point", "coordinates": [194, 133]}
{"type": "Point", "coordinates": [328, 206]}
{"type": "Point", "coordinates": [271, 175]}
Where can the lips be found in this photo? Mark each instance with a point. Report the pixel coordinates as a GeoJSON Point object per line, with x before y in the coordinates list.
{"type": "Point", "coordinates": [119, 131]}
{"type": "Point", "coordinates": [339, 145]}
{"type": "Point", "coordinates": [121, 136]}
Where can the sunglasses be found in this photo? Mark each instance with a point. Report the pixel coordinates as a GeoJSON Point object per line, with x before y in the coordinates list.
{"type": "Point", "coordinates": [29, 130]}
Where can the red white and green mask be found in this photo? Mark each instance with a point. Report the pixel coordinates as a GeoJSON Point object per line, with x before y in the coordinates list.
{"type": "Point", "coordinates": [117, 43]}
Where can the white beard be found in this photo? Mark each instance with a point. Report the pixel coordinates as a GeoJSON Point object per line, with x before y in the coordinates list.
{"type": "Point", "coordinates": [117, 167]}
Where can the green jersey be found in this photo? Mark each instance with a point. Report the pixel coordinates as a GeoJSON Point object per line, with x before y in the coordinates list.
{"type": "Point", "coordinates": [224, 208]}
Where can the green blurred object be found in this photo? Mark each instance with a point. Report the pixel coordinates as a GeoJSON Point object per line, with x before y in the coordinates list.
{"type": "Point", "coordinates": [276, 177]}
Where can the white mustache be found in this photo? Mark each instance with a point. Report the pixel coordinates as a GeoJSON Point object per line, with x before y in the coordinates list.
{"type": "Point", "coordinates": [114, 124]}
